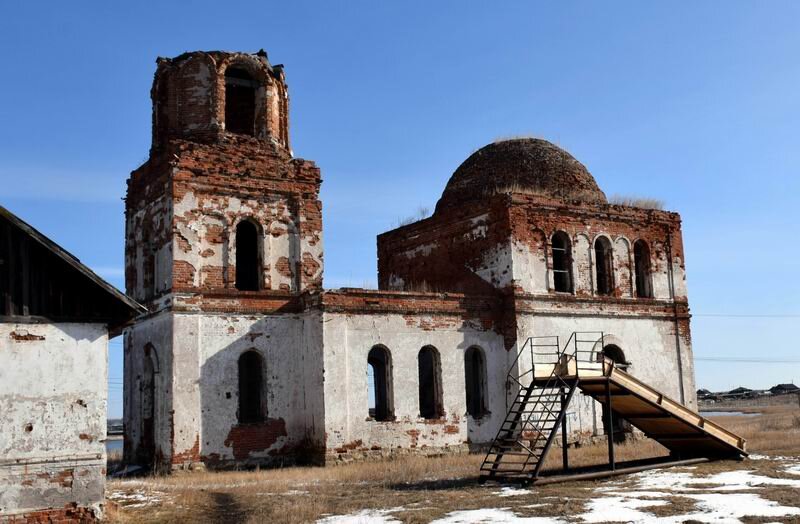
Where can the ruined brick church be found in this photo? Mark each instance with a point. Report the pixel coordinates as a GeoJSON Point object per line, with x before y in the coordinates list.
{"type": "Point", "coordinates": [244, 358]}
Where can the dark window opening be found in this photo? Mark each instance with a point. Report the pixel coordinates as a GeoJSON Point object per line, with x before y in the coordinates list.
{"type": "Point", "coordinates": [604, 267]}
{"type": "Point", "coordinates": [248, 266]}
{"type": "Point", "coordinates": [620, 428]}
{"type": "Point", "coordinates": [430, 383]}
{"type": "Point", "coordinates": [379, 383]}
{"type": "Point", "coordinates": [562, 263]}
{"type": "Point", "coordinates": [641, 260]}
{"type": "Point", "coordinates": [475, 380]}
{"type": "Point", "coordinates": [240, 102]}
{"type": "Point", "coordinates": [251, 399]}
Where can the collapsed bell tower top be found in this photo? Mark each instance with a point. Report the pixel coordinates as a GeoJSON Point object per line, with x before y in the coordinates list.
{"type": "Point", "coordinates": [206, 96]}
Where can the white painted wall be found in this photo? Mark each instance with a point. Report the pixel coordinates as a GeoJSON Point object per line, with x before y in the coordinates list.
{"type": "Point", "coordinates": [348, 340]}
{"type": "Point", "coordinates": [52, 416]}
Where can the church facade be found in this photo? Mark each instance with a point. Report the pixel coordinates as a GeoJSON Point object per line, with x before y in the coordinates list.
{"type": "Point", "coordinates": [244, 358]}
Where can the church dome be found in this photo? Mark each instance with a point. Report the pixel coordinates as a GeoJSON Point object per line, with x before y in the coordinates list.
{"type": "Point", "coordinates": [521, 165]}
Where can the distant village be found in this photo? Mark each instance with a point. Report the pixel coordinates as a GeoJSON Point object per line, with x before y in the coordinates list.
{"type": "Point", "coordinates": [742, 393]}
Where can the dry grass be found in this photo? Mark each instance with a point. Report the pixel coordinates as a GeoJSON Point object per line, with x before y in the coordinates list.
{"type": "Point", "coordinates": [636, 201]}
{"type": "Point", "coordinates": [426, 488]}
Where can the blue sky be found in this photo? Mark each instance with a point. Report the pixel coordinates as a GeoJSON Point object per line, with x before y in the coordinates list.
{"type": "Point", "coordinates": [696, 103]}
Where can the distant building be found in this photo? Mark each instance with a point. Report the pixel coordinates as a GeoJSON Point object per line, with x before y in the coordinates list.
{"type": "Point", "coordinates": [246, 359]}
{"type": "Point", "coordinates": [55, 318]}
{"type": "Point", "coordinates": [782, 389]}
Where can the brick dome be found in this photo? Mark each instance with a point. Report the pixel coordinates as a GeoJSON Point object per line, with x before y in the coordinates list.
{"type": "Point", "coordinates": [521, 165]}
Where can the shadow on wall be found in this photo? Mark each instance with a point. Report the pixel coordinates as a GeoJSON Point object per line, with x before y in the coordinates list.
{"type": "Point", "coordinates": [252, 396]}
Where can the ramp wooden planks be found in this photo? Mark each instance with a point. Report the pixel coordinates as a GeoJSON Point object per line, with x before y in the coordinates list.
{"type": "Point", "coordinates": [661, 418]}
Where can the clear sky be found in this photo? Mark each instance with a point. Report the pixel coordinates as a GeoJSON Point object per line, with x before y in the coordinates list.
{"type": "Point", "coordinates": [694, 103]}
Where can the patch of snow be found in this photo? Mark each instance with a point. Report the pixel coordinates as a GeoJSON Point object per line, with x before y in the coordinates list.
{"type": "Point", "coordinates": [492, 516]}
{"type": "Point", "coordinates": [619, 509]}
{"type": "Point", "coordinates": [639, 494]}
{"type": "Point", "coordinates": [136, 499]}
{"type": "Point", "coordinates": [366, 516]}
{"type": "Point", "coordinates": [793, 470]}
{"type": "Point", "coordinates": [507, 491]}
{"type": "Point", "coordinates": [727, 481]}
{"type": "Point", "coordinates": [730, 507]}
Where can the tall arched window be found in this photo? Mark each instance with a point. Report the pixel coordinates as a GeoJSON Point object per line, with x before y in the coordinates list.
{"type": "Point", "coordinates": [562, 262]}
{"type": "Point", "coordinates": [604, 266]}
{"type": "Point", "coordinates": [641, 261]}
{"type": "Point", "coordinates": [430, 383]}
{"type": "Point", "coordinates": [240, 101]}
{"type": "Point", "coordinates": [475, 381]}
{"type": "Point", "coordinates": [251, 384]}
{"type": "Point", "coordinates": [248, 263]}
{"type": "Point", "coordinates": [379, 383]}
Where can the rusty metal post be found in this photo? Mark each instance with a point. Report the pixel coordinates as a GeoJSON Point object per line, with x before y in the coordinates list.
{"type": "Point", "coordinates": [610, 426]}
{"type": "Point", "coordinates": [564, 452]}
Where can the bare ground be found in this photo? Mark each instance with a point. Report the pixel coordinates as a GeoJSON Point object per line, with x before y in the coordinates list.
{"type": "Point", "coordinates": [765, 488]}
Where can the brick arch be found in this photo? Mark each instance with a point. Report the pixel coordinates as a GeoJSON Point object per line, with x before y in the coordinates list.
{"type": "Point", "coordinates": [255, 68]}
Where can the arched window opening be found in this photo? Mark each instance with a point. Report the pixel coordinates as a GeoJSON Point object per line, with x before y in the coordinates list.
{"type": "Point", "coordinates": [379, 382]}
{"type": "Point", "coordinates": [562, 263]}
{"type": "Point", "coordinates": [475, 380]}
{"type": "Point", "coordinates": [604, 266]}
{"type": "Point", "coordinates": [251, 384]}
{"type": "Point", "coordinates": [248, 264]}
{"type": "Point", "coordinates": [641, 260]}
{"type": "Point", "coordinates": [240, 101]}
{"type": "Point", "coordinates": [614, 353]}
{"type": "Point", "coordinates": [430, 383]}
{"type": "Point", "coordinates": [620, 428]}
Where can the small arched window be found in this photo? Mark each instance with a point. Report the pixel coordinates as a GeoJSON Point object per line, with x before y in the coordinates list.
{"type": "Point", "coordinates": [251, 383]}
{"type": "Point", "coordinates": [248, 262]}
{"type": "Point", "coordinates": [562, 262]}
{"type": "Point", "coordinates": [475, 381]}
{"type": "Point", "coordinates": [604, 266]}
{"type": "Point", "coordinates": [430, 383]}
{"type": "Point", "coordinates": [614, 353]}
{"type": "Point", "coordinates": [641, 260]}
{"type": "Point", "coordinates": [379, 383]}
{"type": "Point", "coordinates": [240, 101]}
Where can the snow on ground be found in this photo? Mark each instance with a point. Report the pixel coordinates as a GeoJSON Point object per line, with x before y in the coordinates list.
{"type": "Point", "coordinates": [492, 516]}
{"type": "Point", "coordinates": [367, 516]}
{"type": "Point", "coordinates": [627, 500]}
{"type": "Point", "coordinates": [619, 509]}
{"type": "Point", "coordinates": [508, 491]}
{"type": "Point", "coordinates": [136, 499]}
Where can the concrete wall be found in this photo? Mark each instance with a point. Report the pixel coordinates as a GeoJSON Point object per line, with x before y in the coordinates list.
{"type": "Point", "coordinates": [348, 340]}
{"type": "Point", "coordinates": [52, 418]}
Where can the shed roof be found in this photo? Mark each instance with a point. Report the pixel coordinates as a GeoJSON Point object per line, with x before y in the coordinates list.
{"type": "Point", "coordinates": [123, 308]}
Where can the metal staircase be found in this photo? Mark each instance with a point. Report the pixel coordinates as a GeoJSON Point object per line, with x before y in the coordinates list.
{"type": "Point", "coordinates": [534, 416]}
{"type": "Point", "coordinates": [546, 376]}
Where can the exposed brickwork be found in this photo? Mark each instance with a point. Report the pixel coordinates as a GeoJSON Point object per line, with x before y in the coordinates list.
{"type": "Point", "coordinates": [246, 439]}
{"type": "Point", "coordinates": [68, 515]}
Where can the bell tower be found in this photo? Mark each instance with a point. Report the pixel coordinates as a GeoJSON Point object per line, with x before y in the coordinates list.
{"type": "Point", "coordinates": [221, 219]}
{"type": "Point", "coordinates": [221, 191]}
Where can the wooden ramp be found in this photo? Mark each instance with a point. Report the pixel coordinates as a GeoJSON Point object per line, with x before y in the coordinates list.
{"type": "Point", "coordinates": [676, 427]}
{"type": "Point", "coordinates": [545, 390]}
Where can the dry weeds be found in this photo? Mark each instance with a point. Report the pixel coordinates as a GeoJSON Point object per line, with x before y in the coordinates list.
{"type": "Point", "coordinates": [425, 488]}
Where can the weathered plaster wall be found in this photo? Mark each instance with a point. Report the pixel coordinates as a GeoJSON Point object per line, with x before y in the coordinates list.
{"type": "Point", "coordinates": [648, 342]}
{"type": "Point", "coordinates": [206, 353]}
{"type": "Point", "coordinates": [348, 340]}
{"type": "Point", "coordinates": [148, 357]}
{"type": "Point", "coordinates": [52, 418]}
{"type": "Point", "coordinates": [461, 250]}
